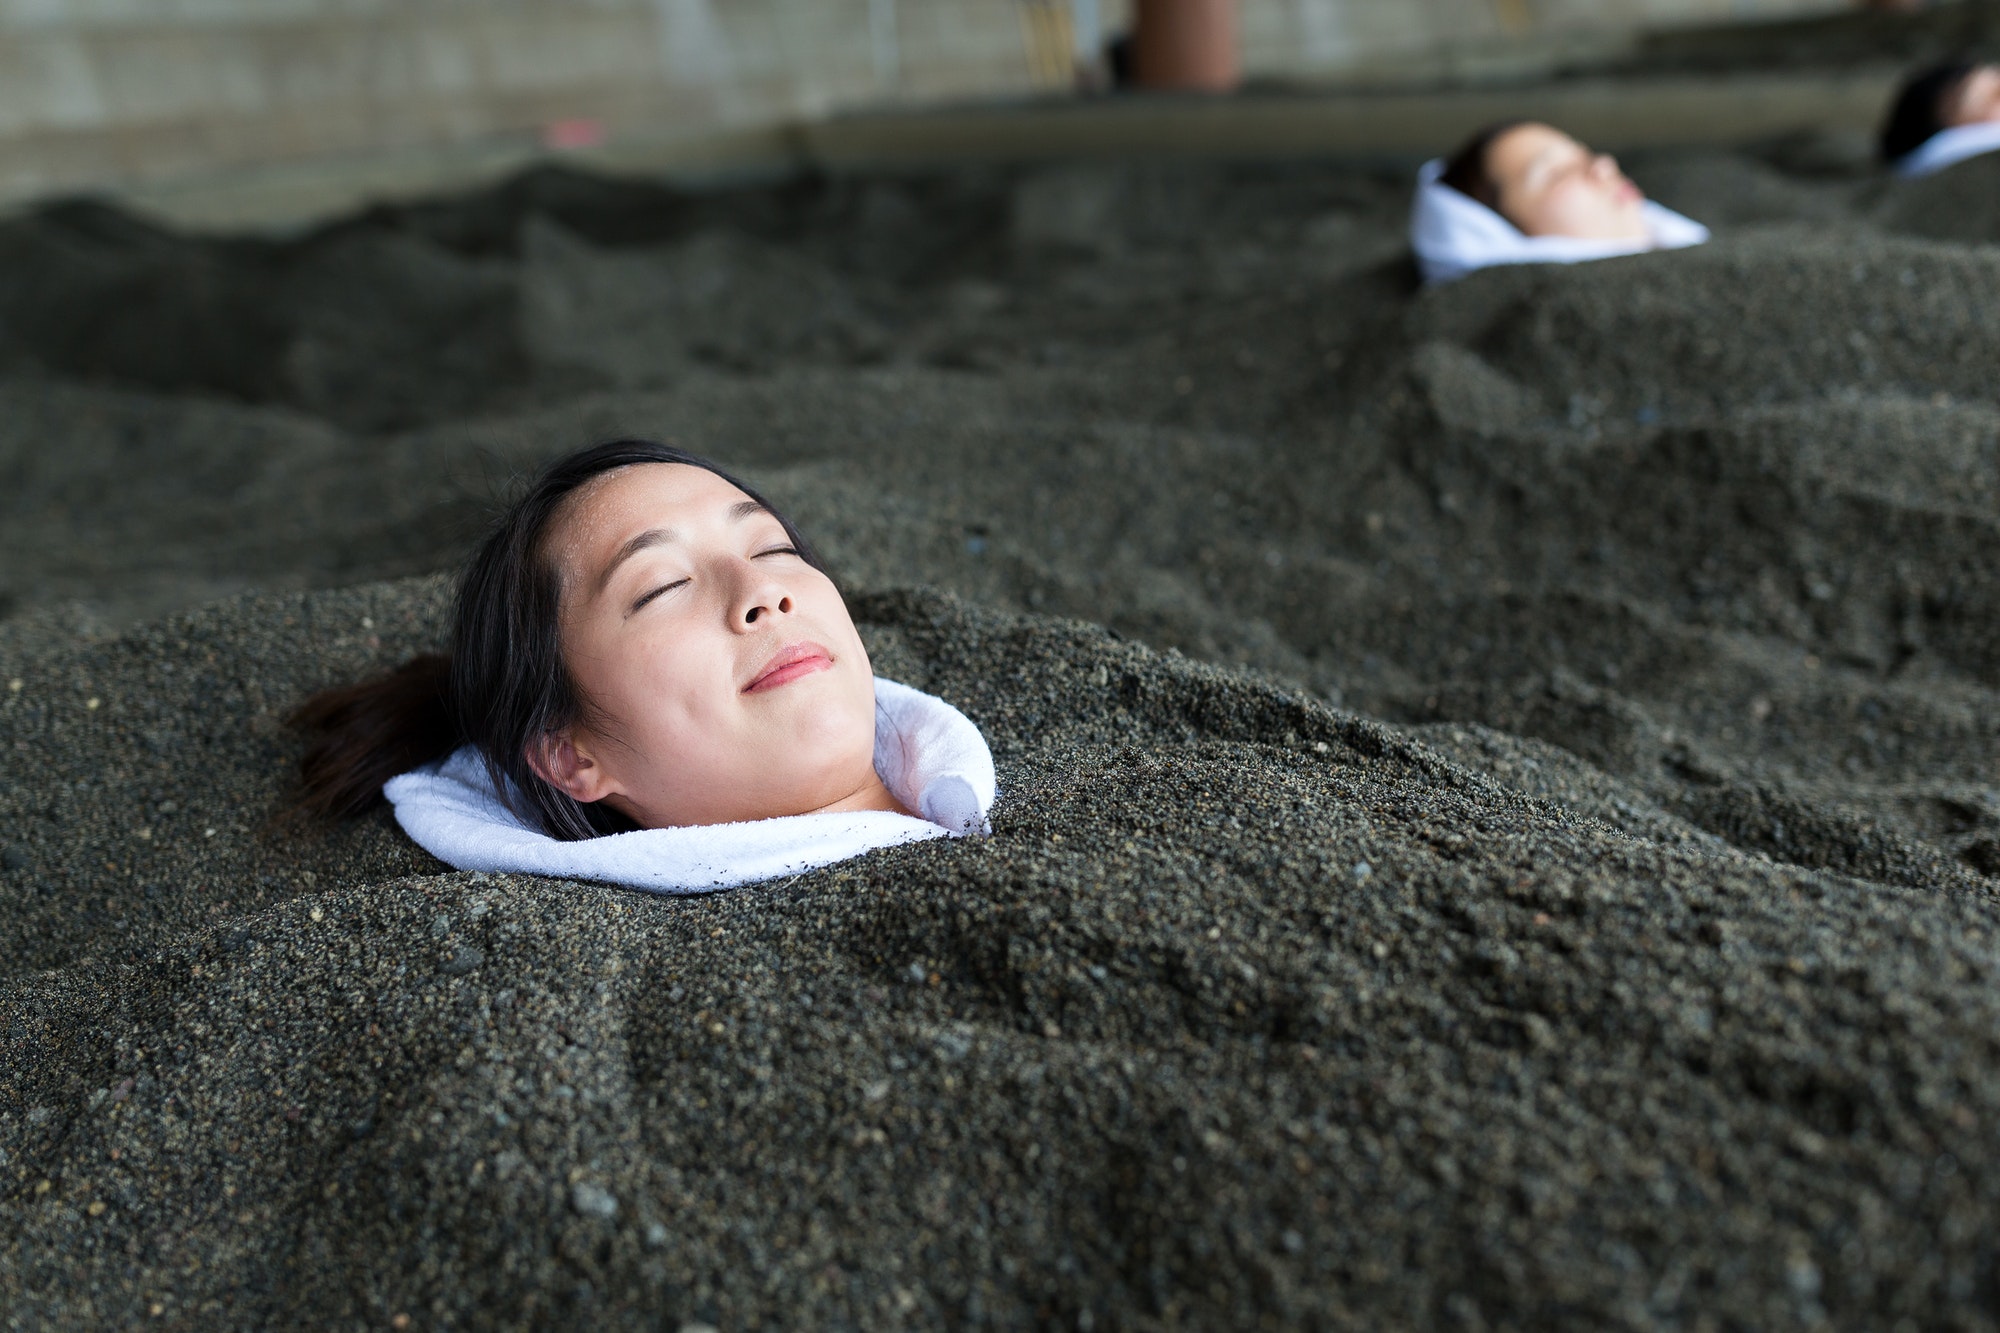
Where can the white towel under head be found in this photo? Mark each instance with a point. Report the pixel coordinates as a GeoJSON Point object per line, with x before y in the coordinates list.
{"type": "Point", "coordinates": [1454, 234]}
{"type": "Point", "coordinates": [1948, 148]}
{"type": "Point", "coordinates": [930, 756]}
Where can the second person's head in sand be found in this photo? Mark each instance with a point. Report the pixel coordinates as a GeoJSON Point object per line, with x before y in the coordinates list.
{"type": "Point", "coordinates": [1526, 193]}
{"type": "Point", "coordinates": [643, 642]}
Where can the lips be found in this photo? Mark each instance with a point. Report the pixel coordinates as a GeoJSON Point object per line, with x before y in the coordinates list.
{"type": "Point", "coordinates": [792, 662]}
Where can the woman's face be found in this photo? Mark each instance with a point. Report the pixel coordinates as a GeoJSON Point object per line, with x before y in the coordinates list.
{"type": "Point", "coordinates": [724, 676]}
{"type": "Point", "coordinates": [1976, 99]}
{"type": "Point", "coordinates": [1551, 185]}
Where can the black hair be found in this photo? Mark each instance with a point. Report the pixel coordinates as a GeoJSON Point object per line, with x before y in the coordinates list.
{"type": "Point", "coordinates": [504, 685]}
{"type": "Point", "coordinates": [1918, 111]}
{"type": "Point", "coordinates": [1466, 170]}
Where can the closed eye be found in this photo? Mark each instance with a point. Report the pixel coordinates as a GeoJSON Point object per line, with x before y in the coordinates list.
{"type": "Point", "coordinates": [663, 588]}
{"type": "Point", "coordinates": [777, 550]}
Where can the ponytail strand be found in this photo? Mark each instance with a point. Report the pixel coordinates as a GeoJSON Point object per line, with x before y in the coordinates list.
{"type": "Point", "coordinates": [366, 734]}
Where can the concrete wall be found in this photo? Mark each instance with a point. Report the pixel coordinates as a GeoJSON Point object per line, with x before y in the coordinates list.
{"type": "Point", "coordinates": [1390, 39]}
{"type": "Point", "coordinates": [139, 94]}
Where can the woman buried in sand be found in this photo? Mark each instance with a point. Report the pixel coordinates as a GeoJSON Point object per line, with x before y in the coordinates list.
{"type": "Point", "coordinates": [651, 682]}
{"type": "Point", "coordinates": [1525, 193]}
{"type": "Point", "coordinates": [1942, 116]}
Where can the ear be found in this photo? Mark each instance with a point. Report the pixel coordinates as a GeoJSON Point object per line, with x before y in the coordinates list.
{"type": "Point", "coordinates": [560, 761]}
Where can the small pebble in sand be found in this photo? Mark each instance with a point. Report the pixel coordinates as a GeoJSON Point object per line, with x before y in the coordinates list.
{"type": "Point", "coordinates": [1803, 1277]}
{"type": "Point", "coordinates": [593, 1200]}
{"type": "Point", "coordinates": [464, 960]}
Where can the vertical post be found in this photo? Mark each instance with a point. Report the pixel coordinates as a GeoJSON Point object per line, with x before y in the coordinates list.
{"type": "Point", "coordinates": [1188, 45]}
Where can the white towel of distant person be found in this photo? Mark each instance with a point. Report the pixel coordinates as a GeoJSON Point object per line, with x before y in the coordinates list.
{"type": "Point", "coordinates": [930, 756]}
{"type": "Point", "coordinates": [1454, 234]}
{"type": "Point", "coordinates": [1948, 148]}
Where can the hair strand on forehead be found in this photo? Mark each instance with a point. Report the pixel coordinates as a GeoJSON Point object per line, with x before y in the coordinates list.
{"type": "Point", "coordinates": [1467, 171]}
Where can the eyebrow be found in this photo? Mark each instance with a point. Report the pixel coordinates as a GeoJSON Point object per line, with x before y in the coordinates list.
{"type": "Point", "coordinates": [651, 537]}
{"type": "Point", "coordinates": [1549, 158]}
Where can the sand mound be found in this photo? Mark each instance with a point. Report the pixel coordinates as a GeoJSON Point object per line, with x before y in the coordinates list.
{"type": "Point", "coordinates": [1241, 987]}
{"type": "Point", "coordinates": [1537, 871]}
{"type": "Point", "coordinates": [1772, 317]}
{"type": "Point", "coordinates": [1961, 204]}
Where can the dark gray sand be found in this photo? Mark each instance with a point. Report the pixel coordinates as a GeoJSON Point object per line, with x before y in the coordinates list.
{"type": "Point", "coordinates": [1517, 854]}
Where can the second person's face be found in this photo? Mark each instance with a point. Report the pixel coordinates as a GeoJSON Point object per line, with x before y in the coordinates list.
{"type": "Point", "coordinates": [1976, 99]}
{"type": "Point", "coordinates": [1551, 185]}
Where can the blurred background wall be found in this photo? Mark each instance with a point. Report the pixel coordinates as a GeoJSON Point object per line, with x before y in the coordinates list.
{"type": "Point", "coordinates": [135, 93]}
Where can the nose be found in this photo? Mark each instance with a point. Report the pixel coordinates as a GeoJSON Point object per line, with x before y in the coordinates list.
{"type": "Point", "coordinates": [758, 596]}
{"type": "Point", "coordinates": [1605, 166]}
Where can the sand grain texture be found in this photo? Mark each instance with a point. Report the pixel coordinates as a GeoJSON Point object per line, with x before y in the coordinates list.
{"type": "Point", "coordinates": [1499, 806]}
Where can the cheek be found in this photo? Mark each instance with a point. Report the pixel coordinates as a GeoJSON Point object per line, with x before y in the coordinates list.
{"type": "Point", "coordinates": [1583, 208]}
{"type": "Point", "coordinates": [647, 683]}
{"type": "Point", "coordinates": [1544, 214]}
{"type": "Point", "coordinates": [826, 619]}
{"type": "Point", "coordinates": [1579, 200]}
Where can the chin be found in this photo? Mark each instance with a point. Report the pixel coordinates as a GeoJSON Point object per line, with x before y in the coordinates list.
{"type": "Point", "coordinates": [818, 699]}
{"type": "Point", "coordinates": [832, 722]}
{"type": "Point", "coordinates": [1632, 228]}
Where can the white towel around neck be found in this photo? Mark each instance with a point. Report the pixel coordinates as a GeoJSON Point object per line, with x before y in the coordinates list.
{"type": "Point", "coordinates": [1948, 148]}
{"type": "Point", "coordinates": [930, 756]}
{"type": "Point", "coordinates": [1454, 234]}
